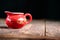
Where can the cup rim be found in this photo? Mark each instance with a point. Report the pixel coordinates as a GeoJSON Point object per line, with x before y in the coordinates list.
{"type": "Point", "coordinates": [17, 12]}
{"type": "Point", "coordinates": [14, 12]}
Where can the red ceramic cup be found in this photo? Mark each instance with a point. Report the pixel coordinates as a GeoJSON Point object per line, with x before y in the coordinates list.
{"type": "Point", "coordinates": [17, 20]}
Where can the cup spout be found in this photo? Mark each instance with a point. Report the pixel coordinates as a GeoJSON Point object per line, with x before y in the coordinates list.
{"type": "Point", "coordinates": [7, 12]}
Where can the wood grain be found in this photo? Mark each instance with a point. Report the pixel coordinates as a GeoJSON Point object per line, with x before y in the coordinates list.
{"type": "Point", "coordinates": [53, 28]}
{"type": "Point", "coordinates": [37, 29]}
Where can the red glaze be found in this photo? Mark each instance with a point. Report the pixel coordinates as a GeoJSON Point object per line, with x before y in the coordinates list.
{"type": "Point", "coordinates": [17, 20]}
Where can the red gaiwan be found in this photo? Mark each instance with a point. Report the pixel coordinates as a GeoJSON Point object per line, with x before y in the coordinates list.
{"type": "Point", "coordinates": [17, 20]}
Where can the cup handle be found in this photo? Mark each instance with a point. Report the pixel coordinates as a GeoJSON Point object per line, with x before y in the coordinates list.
{"type": "Point", "coordinates": [30, 17]}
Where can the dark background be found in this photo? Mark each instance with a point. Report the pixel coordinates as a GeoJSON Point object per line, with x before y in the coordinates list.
{"type": "Point", "coordinates": [39, 9]}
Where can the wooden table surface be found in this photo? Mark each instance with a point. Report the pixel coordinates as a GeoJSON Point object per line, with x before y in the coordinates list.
{"type": "Point", "coordinates": [36, 29]}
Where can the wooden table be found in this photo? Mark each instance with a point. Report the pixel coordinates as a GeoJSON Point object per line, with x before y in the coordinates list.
{"type": "Point", "coordinates": [37, 29]}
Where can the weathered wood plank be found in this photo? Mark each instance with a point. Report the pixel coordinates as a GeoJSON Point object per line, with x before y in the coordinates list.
{"type": "Point", "coordinates": [53, 28]}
